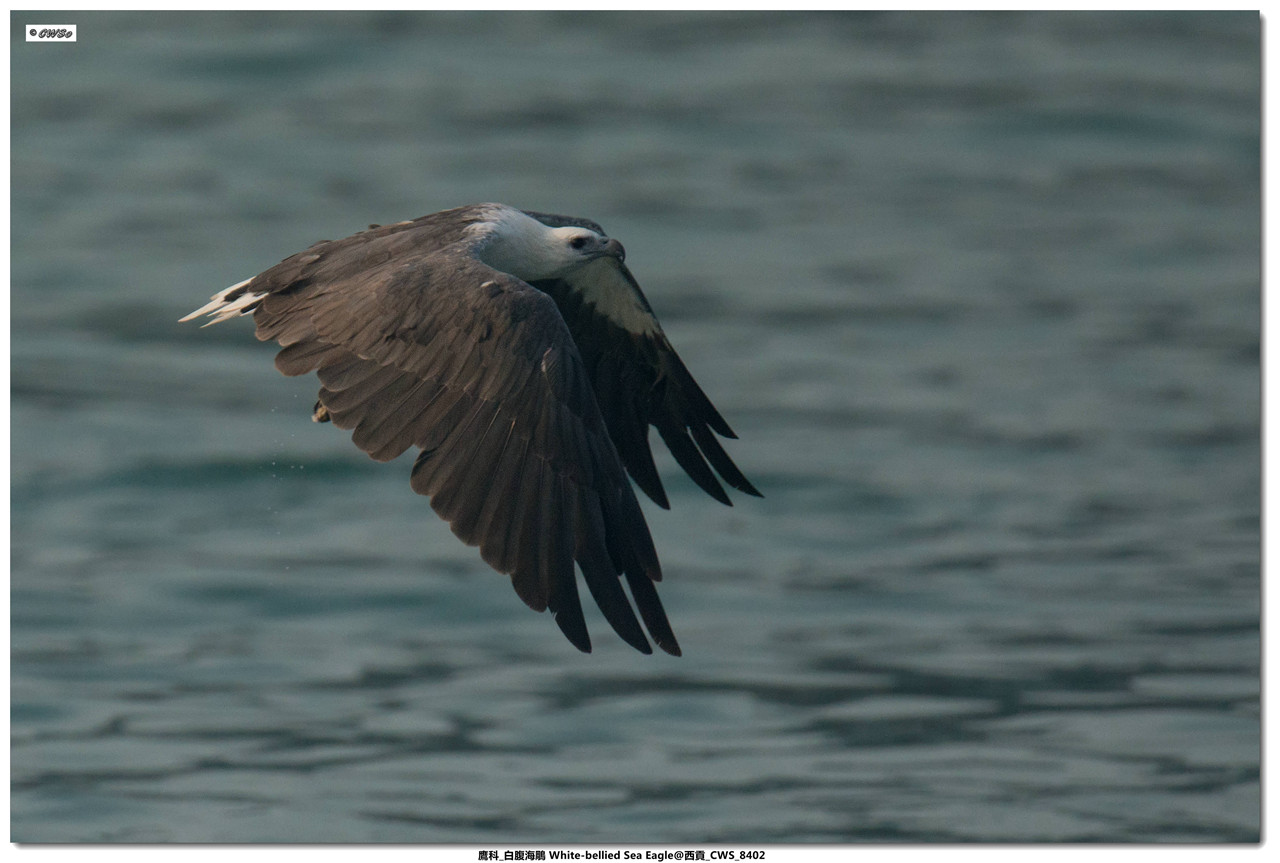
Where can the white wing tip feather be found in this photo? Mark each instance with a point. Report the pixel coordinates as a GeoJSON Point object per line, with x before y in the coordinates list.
{"type": "Point", "coordinates": [221, 310]}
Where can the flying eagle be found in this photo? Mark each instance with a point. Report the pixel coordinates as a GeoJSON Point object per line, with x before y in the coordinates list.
{"type": "Point", "coordinates": [517, 352]}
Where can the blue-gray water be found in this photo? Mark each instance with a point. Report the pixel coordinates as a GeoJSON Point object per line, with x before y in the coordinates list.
{"type": "Point", "coordinates": [979, 293]}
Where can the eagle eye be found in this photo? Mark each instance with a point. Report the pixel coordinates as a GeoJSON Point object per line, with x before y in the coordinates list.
{"type": "Point", "coordinates": [578, 243]}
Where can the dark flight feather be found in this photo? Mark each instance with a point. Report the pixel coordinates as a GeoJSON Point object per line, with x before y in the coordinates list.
{"type": "Point", "coordinates": [640, 381]}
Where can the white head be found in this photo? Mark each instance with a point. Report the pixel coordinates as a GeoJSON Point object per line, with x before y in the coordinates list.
{"type": "Point", "coordinates": [527, 249]}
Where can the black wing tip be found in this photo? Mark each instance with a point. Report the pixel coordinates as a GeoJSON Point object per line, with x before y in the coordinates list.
{"type": "Point", "coordinates": [748, 488]}
{"type": "Point", "coordinates": [645, 595]}
{"type": "Point", "coordinates": [717, 492]}
{"type": "Point", "coordinates": [651, 485]}
{"type": "Point", "coordinates": [576, 633]}
{"type": "Point", "coordinates": [662, 634]}
{"type": "Point", "coordinates": [636, 640]}
{"type": "Point", "coordinates": [575, 630]}
{"type": "Point", "coordinates": [718, 423]}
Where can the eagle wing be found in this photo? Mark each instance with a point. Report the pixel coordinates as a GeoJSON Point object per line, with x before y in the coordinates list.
{"type": "Point", "coordinates": [638, 378]}
{"type": "Point", "coordinates": [477, 369]}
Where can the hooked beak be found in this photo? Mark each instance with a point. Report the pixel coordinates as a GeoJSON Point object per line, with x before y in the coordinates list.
{"type": "Point", "coordinates": [614, 250]}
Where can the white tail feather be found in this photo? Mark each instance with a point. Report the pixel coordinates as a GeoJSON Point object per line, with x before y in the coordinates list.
{"type": "Point", "coordinates": [220, 309]}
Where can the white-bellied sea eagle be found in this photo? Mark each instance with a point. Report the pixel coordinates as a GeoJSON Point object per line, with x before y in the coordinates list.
{"type": "Point", "coordinates": [517, 352]}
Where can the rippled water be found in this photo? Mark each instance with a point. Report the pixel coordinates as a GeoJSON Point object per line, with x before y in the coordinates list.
{"type": "Point", "coordinates": [980, 294]}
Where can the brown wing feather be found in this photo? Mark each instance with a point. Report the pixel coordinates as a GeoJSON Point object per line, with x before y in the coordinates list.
{"type": "Point", "coordinates": [479, 370]}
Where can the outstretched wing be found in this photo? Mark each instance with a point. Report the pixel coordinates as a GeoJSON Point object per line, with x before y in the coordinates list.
{"type": "Point", "coordinates": [639, 379]}
{"type": "Point", "coordinates": [478, 369]}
